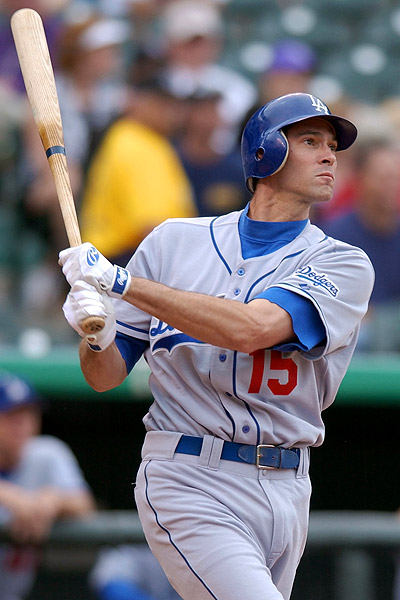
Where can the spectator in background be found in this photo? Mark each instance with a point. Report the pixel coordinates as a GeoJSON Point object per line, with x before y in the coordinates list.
{"type": "Point", "coordinates": [291, 69]}
{"type": "Point", "coordinates": [194, 37]}
{"type": "Point", "coordinates": [40, 482]}
{"type": "Point", "coordinates": [136, 179]}
{"type": "Point", "coordinates": [373, 224]}
{"type": "Point", "coordinates": [91, 80]}
{"type": "Point", "coordinates": [373, 124]}
{"type": "Point", "coordinates": [92, 93]}
{"type": "Point", "coordinates": [216, 177]}
{"type": "Point", "coordinates": [129, 572]}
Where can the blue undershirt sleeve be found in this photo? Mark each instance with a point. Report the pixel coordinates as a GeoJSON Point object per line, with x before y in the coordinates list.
{"type": "Point", "coordinates": [131, 349]}
{"type": "Point", "coordinates": [307, 323]}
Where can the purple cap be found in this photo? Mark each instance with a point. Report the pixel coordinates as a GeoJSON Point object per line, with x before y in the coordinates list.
{"type": "Point", "coordinates": [292, 56]}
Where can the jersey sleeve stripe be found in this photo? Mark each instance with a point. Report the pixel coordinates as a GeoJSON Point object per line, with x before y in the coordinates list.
{"type": "Point", "coordinates": [132, 327]}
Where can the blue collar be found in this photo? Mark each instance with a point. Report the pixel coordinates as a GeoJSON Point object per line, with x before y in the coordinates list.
{"type": "Point", "coordinates": [259, 238]}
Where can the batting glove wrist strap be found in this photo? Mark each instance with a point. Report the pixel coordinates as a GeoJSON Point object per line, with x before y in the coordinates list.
{"type": "Point", "coordinates": [83, 301]}
{"type": "Point", "coordinates": [120, 282]}
{"type": "Point", "coordinates": [86, 263]}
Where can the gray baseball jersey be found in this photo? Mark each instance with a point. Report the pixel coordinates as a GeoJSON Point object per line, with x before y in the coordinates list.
{"type": "Point", "coordinates": [252, 521]}
{"type": "Point", "coordinates": [201, 389]}
{"type": "Point", "coordinates": [46, 461]}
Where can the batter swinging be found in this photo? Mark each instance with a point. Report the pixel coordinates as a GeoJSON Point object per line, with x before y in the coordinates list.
{"type": "Point", "coordinates": [248, 323]}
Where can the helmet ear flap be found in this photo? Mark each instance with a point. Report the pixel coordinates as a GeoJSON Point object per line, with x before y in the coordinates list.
{"type": "Point", "coordinates": [270, 156]}
{"type": "Point", "coordinates": [276, 149]}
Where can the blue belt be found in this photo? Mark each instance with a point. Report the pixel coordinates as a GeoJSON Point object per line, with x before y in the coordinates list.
{"type": "Point", "coordinates": [263, 456]}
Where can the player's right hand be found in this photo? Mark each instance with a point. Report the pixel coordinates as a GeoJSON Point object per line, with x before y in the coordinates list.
{"type": "Point", "coordinates": [86, 263]}
{"type": "Point", "coordinates": [83, 301]}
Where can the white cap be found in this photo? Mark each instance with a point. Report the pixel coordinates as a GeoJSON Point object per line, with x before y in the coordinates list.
{"type": "Point", "coordinates": [185, 19]}
{"type": "Point", "coordinates": [107, 32]}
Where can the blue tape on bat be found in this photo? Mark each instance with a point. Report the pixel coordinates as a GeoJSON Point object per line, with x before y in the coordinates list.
{"type": "Point", "coordinates": [55, 150]}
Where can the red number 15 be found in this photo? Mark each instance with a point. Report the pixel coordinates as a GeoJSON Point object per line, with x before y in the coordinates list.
{"type": "Point", "coordinates": [277, 363]}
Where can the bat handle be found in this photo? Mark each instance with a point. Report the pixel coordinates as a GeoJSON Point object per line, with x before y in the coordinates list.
{"type": "Point", "coordinates": [58, 166]}
{"type": "Point", "coordinates": [92, 324]}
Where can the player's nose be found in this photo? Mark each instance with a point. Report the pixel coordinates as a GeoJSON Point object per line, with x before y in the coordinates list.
{"type": "Point", "coordinates": [328, 155]}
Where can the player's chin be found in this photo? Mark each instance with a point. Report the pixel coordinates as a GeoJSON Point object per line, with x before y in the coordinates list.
{"type": "Point", "coordinates": [323, 193]}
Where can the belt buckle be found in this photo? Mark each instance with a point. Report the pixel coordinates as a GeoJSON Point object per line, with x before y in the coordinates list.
{"type": "Point", "coordinates": [259, 456]}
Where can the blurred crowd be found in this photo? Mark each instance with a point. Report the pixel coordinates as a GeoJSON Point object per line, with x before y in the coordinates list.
{"type": "Point", "coordinates": [152, 117]}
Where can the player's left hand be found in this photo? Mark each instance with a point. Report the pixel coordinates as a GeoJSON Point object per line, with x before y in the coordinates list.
{"type": "Point", "coordinates": [86, 263]}
{"type": "Point", "coordinates": [84, 300]}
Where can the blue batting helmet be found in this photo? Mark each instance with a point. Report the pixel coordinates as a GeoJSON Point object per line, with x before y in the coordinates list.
{"type": "Point", "coordinates": [264, 145]}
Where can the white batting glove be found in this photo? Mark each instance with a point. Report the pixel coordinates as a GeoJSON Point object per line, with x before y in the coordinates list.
{"type": "Point", "coordinates": [85, 301]}
{"type": "Point", "coordinates": [86, 263]}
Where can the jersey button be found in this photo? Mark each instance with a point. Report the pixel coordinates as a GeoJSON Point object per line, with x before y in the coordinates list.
{"type": "Point", "coordinates": [228, 394]}
{"type": "Point", "coordinates": [236, 292]}
{"type": "Point", "coordinates": [241, 272]}
{"type": "Point", "coordinates": [245, 429]}
{"type": "Point", "coordinates": [222, 357]}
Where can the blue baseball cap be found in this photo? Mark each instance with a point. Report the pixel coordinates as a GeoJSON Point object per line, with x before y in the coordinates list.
{"type": "Point", "coordinates": [15, 392]}
{"type": "Point", "coordinates": [292, 56]}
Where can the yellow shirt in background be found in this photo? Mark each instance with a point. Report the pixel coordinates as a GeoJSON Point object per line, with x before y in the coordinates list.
{"type": "Point", "coordinates": [135, 182]}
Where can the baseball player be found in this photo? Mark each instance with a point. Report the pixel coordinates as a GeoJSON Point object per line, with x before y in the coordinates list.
{"type": "Point", "coordinates": [40, 482]}
{"type": "Point", "coordinates": [248, 322]}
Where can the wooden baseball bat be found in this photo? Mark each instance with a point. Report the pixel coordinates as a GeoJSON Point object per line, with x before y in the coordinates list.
{"type": "Point", "coordinates": [36, 67]}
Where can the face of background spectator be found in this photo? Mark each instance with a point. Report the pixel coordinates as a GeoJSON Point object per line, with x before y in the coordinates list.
{"type": "Point", "coordinates": [192, 33]}
{"type": "Point", "coordinates": [101, 63]}
{"type": "Point", "coordinates": [17, 426]}
{"type": "Point", "coordinates": [194, 52]}
{"type": "Point", "coordinates": [290, 71]}
{"type": "Point", "coordinates": [93, 48]}
{"type": "Point", "coordinates": [379, 180]}
{"type": "Point", "coordinates": [204, 116]}
{"type": "Point", "coordinates": [157, 109]}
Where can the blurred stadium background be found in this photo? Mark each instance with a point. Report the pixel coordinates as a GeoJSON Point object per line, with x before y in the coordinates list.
{"type": "Point", "coordinates": [357, 42]}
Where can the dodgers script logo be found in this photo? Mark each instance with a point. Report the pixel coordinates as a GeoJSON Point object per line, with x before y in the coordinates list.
{"type": "Point", "coordinates": [169, 338]}
{"type": "Point", "coordinates": [317, 279]}
{"type": "Point", "coordinates": [92, 256]}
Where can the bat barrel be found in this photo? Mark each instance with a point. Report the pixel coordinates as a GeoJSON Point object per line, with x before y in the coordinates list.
{"type": "Point", "coordinates": [35, 62]}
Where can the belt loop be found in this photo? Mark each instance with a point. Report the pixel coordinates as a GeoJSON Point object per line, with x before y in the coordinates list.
{"type": "Point", "coordinates": [160, 444]}
{"type": "Point", "coordinates": [215, 455]}
{"type": "Point", "coordinates": [206, 448]}
{"type": "Point", "coordinates": [304, 463]}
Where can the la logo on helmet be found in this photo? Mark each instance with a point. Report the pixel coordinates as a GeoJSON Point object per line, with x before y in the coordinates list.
{"type": "Point", "coordinates": [319, 105]}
